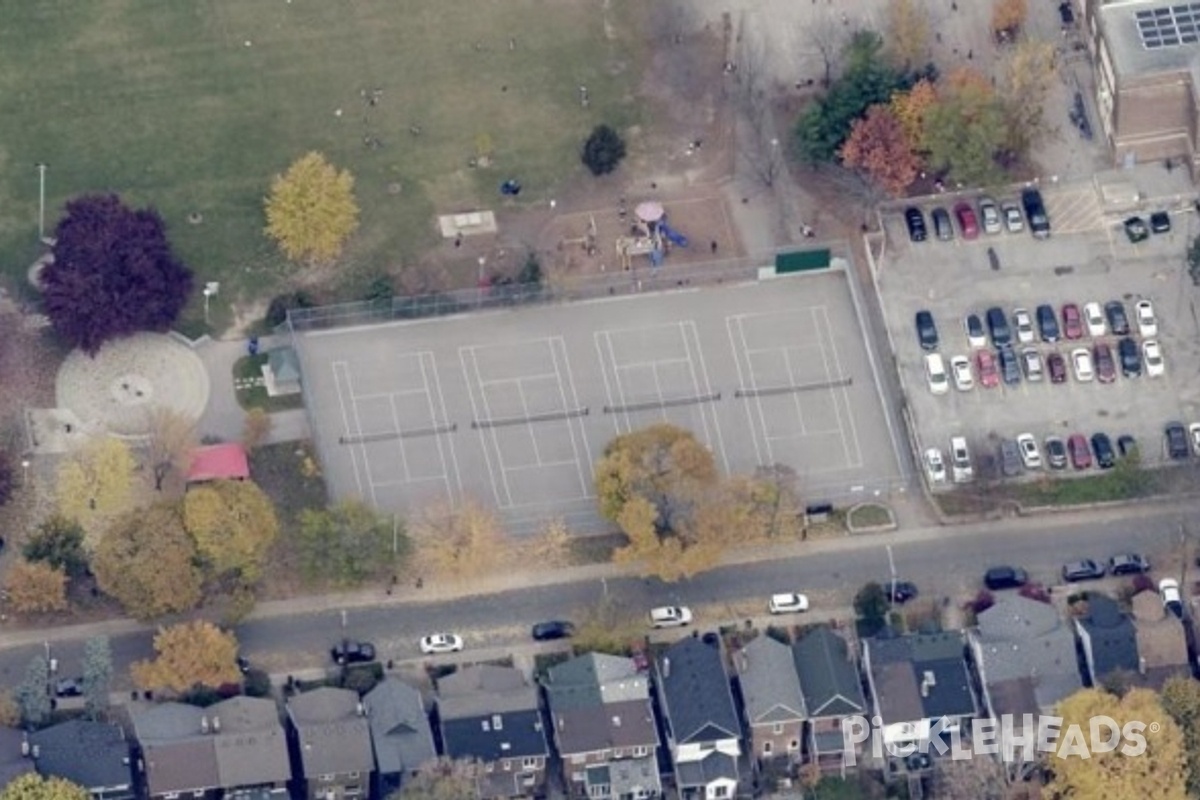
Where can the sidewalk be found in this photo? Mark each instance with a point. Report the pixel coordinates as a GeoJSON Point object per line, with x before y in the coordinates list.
{"type": "Point", "coordinates": [223, 418]}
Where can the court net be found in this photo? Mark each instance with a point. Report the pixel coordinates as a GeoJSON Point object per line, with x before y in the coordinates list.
{"type": "Point", "coordinates": [767, 391]}
{"type": "Point", "coordinates": [383, 436]}
{"type": "Point", "coordinates": [654, 405]}
{"type": "Point", "coordinates": [549, 416]}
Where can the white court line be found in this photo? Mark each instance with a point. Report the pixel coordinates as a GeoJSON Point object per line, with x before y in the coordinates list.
{"type": "Point", "coordinates": [654, 362]}
{"type": "Point", "coordinates": [445, 420]}
{"type": "Point", "coordinates": [837, 412]}
{"type": "Point", "coordinates": [358, 429]}
{"type": "Point", "coordinates": [487, 457]}
{"type": "Point", "coordinates": [399, 440]}
{"type": "Point", "coordinates": [612, 355]}
{"type": "Point", "coordinates": [789, 436]}
{"type": "Point", "coordinates": [608, 394]}
{"type": "Point", "coordinates": [776, 347]}
{"type": "Point", "coordinates": [487, 410]}
{"type": "Point", "coordinates": [857, 461]}
{"type": "Point", "coordinates": [414, 481]}
{"type": "Point", "coordinates": [787, 364]}
{"type": "Point", "coordinates": [537, 454]}
{"type": "Point", "coordinates": [758, 400]}
{"type": "Point", "coordinates": [737, 362]}
{"type": "Point", "coordinates": [662, 407]}
{"type": "Point", "coordinates": [540, 376]}
{"type": "Point", "coordinates": [543, 465]}
{"type": "Point", "coordinates": [400, 393]}
{"type": "Point", "coordinates": [562, 393]}
{"type": "Point", "coordinates": [696, 390]}
{"type": "Point", "coordinates": [707, 390]}
{"type": "Point", "coordinates": [337, 386]}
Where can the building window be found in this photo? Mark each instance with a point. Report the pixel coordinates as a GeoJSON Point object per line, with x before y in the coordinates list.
{"type": "Point", "coordinates": [327, 777]}
{"type": "Point", "coordinates": [640, 752]}
{"type": "Point", "coordinates": [767, 748]}
{"type": "Point", "coordinates": [578, 759]}
{"type": "Point", "coordinates": [507, 765]}
{"type": "Point", "coordinates": [778, 729]}
{"type": "Point", "coordinates": [529, 763]}
{"type": "Point", "coordinates": [488, 767]}
{"type": "Point", "coordinates": [640, 793]}
{"type": "Point", "coordinates": [497, 722]}
{"type": "Point", "coordinates": [352, 776]}
{"type": "Point", "coordinates": [720, 790]}
{"type": "Point", "coordinates": [793, 745]}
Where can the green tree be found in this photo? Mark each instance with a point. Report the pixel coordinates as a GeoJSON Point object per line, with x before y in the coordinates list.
{"type": "Point", "coordinates": [311, 210]}
{"type": "Point", "coordinates": [871, 605]}
{"type": "Point", "coordinates": [190, 654]}
{"type": "Point", "coordinates": [1193, 260]}
{"type": "Point", "coordinates": [443, 779]}
{"type": "Point", "coordinates": [603, 150]}
{"type": "Point", "coordinates": [146, 561]}
{"type": "Point", "coordinates": [33, 693]}
{"type": "Point", "coordinates": [58, 541]}
{"type": "Point", "coordinates": [97, 675]}
{"type": "Point", "coordinates": [348, 543]}
{"type": "Point", "coordinates": [32, 786]}
{"type": "Point", "coordinates": [1181, 699]}
{"type": "Point", "coordinates": [966, 131]}
{"type": "Point", "coordinates": [233, 524]}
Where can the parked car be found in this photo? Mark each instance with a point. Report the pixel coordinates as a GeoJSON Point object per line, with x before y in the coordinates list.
{"type": "Point", "coordinates": [1194, 435]}
{"type": "Point", "coordinates": [348, 652]}
{"type": "Point", "coordinates": [1056, 452]}
{"type": "Point", "coordinates": [1013, 220]}
{"type": "Point", "coordinates": [1128, 564]}
{"type": "Point", "coordinates": [960, 460]}
{"type": "Point", "coordinates": [1177, 441]}
{"type": "Point", "coordinates": [1009, 370]}
{"type": "Point", "coordinates": [960, 368]}
{"type": "Point", "coordinates": [990, 215]}
{"type": "Point", "coordinates": [1160, 222]}
{"type": "Point", "coordinates": [1031, 456]}
{"type": "Point", "coordinates": [1172, 600]}
{"type": "Point", "coordinates": [1035, 212]}
{"type": "Point", "coordinates": [927, 333]}
{"type": "Point", "coordinates": [1127, 446]}
{"type": "Point", "coordinates": [989, 372]}
{"type": "Point", "coordinates": [967, 220]}
{"type": "Point", "coordinates": [1118, 322]}
{"type": "Point", "coordinates": [998, 578]}
{"type": "Point", "coordinates": [554, 629]}
{"type": "Point", "coordinates": [1135, 229]}
{"type": "Point", "coordinates": [788, 603]}
{"type": "Point", "coordinates": [670, 616]}
{"type": "Point", "coordinates": [935, 466]}
{"type": "Point", "coordinates": [1131, 357]}
{"type": "Point", "coordinates": [942, 228]}
{"type": "Point", "coordinates": [900, 592]}
{"type": "Point", "coordinates": [1152, 355]}
{"type": "Point", "coordinates": [1106, 367]}
{"type": "Point", "coordinates": [1081, 454]}
{"type": "Point", "coordinates": [997, 323]}
{"type": "Point", "coordinates": [68, 687]}
{"type": "Point", "coordinates": [1072, 322]}
{"type": "Point", "coordinates": [1081, 363]}
{"type": "Point", "coordinates": [1024, 325]}
{"type": "Point", "coordinates": [1031, 364]}
{"type": "Point", "coordinates": [915, 220]}
{"type": "Point", "coordinates": [1056, 366]}
{"type": "Point", "coordinates": [1010, 458]}
{"type": "Point", "coordinates": [441, 643]}
{"type": "Point", "coordinates": [976, 337]}
{"type": "Point", "coordinates": [935, 373]}
{"type": "Point", "coordinates": [1047, 323]}
{"type": "Point", "coordinates": [1093, 318]}
{"type": "Point", "coordinates": [1085, 570]}
{"type": "Point", "coordinates": [1147, 322]}
{"type": "Point", "coordinates": [1106, 456]}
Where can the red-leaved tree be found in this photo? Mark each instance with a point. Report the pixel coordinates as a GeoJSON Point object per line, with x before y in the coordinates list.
{"type": "Point", "coordinates": [113, 273]}
{"type": "Point", "coordinates": [879, 147]}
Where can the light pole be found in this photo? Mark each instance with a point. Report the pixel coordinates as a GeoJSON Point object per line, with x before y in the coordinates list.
{"type": "Point", "coordinates": [210, 290]}
{"type": "Point", "coordinates": [395, 534]}
{"type": "Point", "coordinates": [24, 471]}
{"type": "Point", "coordinates": [892, 570]}
{"type": "Point", "coordinates": [41, 168]}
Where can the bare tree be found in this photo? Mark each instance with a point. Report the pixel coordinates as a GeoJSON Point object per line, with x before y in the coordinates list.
{"type": "Point", "coordinates": [826, 35]}
{"type": "Point", "coordinates": [758, 143]}
{"type": "Point", "coordinates": [172, 440]}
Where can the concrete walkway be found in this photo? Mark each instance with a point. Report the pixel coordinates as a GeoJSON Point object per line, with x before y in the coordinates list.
{"type": "Point", "coordinates": [223, 418]}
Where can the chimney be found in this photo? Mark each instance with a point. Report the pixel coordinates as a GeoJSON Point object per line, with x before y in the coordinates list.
{"type": "Point", "coordinates": [37, 752]}
{"type": "Point", "coordinates": [666, 667]}
{"type": "Point", "coordinates": [1142, 664]}
{"type": "Point", "coordinates": [204, 724]}
{"type": "Point", "coordinates": [928, 681]}
{"type": "Point", "coordinates": [216, 724]}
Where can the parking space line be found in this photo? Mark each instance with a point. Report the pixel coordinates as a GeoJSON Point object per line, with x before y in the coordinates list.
{"type": "Point", "coordinates": [337, 383]}
{"type": "Point", "coordinates": [487, 457]}
{"type": "Point", "coordinates": [584, 483]}
{"type": "Point", "coordinates": [445, 419]}
{"type": "Point", "coordinates": [358, 429]}
{"type": "Point", "coordinates": [706, 389]}
{"type": "Point", "coordinates": [737, 361]}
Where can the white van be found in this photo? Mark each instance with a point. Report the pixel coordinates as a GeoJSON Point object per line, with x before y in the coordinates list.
{"type": "Point", "coordinates": [960, 460]}
{"type": "Point", "coordinates": [935, 371]}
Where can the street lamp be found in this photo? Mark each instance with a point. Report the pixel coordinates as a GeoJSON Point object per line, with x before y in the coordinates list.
{"type": "Point", "coordinates": [892, 570]}
{"type": "Point", "coordinates": [41, 168]}
{"type": "Point", "coordinates": [210, 290]}
{"type": "Point", "coordinates": [24, 471]}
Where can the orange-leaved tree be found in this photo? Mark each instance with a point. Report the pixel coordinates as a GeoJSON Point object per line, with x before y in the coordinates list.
{"type": "Point", "coordinates": [879, 147]}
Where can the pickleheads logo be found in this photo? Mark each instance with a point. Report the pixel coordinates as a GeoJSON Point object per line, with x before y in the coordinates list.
{"type": "Point", "coordinates": [1013, 738]}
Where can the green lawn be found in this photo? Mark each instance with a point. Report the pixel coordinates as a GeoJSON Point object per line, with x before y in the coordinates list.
{"type": "Point", "coordinates": [165, 103]}
{"type": "Point", "coordinates": [249, 368]}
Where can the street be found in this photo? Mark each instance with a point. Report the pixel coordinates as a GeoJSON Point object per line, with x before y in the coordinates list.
{"type": "Point", "coordinates": [944, 562]}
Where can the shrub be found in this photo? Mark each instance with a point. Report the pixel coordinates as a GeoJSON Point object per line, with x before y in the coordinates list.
{"type": "Point", "coordinates": [603, 150]}
{"type": "Point", "coordinates": [280, 306]}
{"type": "Point", "coordinates": [1142, 583]}
{"type": "Point", "coordinates": [982, 602]}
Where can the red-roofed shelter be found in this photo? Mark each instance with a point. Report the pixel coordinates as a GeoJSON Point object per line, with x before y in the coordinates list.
{"type": "Point", "coordinates": [219, 462]}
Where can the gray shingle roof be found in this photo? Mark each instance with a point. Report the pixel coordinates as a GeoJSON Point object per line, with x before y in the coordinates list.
{"type": "Point", "coordinates": [12, 763]}
{"type": "Point", "coordinates": [700, 773]}
{"type": "Point", "coordinates": [595, 678]}
{"type": "Point", "coordinates": [928, 669]}
{"type": "Point", "coordinates": [599, 702]}
{"type": "Point", "coordinates": [334, 737]}
{"type": "Point", "coordinates": [1022, 640]}
{"type": "Point", "coordinates": [94, 755]}
{"type": "Point", "coordinates": [695, 693]}
{"type": "Point", "coordinates": [400, 728]}
{"type": "Point", "coordinates": [473, 700]}
{"type": "Point", "coordinates": [1113, 638]}
{"type": "Point", "coordinates": [828, 675]}
{"type": "Point", "coordinates": [770, 687]}
{"type": "Point", "coordinates": [250, 743]}
{"type": "Point", "coordinates": [484, 689]}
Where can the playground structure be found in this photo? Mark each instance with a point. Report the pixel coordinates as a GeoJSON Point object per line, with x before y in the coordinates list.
{"type": "Point", "coordinates": [587, 241]}
{"type": "Point", "coordinates": [649, 235]}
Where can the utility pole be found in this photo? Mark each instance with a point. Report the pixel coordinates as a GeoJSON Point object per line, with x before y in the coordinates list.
{"type": "Point", "coordinates": [41, 168]}
{"type": "Point", "coordinates": [892, 571]}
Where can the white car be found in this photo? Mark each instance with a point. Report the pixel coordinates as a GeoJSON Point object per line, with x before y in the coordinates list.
{"type": "Point", "coordinates": [1194, 435]}
{"type": "Point", "coordinates": [960, 368]}
{"type": "Point", "coordinates": [1012, 218]}
{"type": "Point", "coordinates": [1172, 600]}
{"type": "Point", "coordinates": [1093, 318]}
{"type": "Point", "coordinates": [935, 371]}
{"type": "Point", "coordinates": [1156, 367]}
{"type": "Point", "coordinates": [1147, 323]}
{"type": "Point", "coordinates": [935, 467]}
{"type": "Point", "coordinates": [989, 215]}
{"type": "Point", "coordinates": [1031, 455]}
{"type": "Point", "coordinates": [1081, 363]}
{"type": "Point", "coordinates": [789, 603]}
{"type": "Point", "coordinates": [441, 643]}
{"type": "Point", "coordinates": [960, 460]}
{"type": "Point", "coordinates": [670, 617]}
{"type": "Point", "coordinates": [1024, 325]}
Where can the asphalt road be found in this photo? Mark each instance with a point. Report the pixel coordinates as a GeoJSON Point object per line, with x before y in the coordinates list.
{"type": "Point", "coordinates": [943, 562]}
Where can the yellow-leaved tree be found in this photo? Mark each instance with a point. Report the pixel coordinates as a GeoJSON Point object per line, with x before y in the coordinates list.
{"type": "Point", "coordinates": [311, 210]}
{"type": "Point", "coordinates": [233, 524]}
{"type": "Point", "coordinates": [36, 587]}
{"type": "Point", "coordinates": [32, 786]}
{"type": "Point", "coordinates": [146, 560]}
{"type": "Point", "coordinates": [459, 543]}
{"type": "Point", "coordinates": [96, 482]}
{"type": "Point", "coordinates": [190, 654]}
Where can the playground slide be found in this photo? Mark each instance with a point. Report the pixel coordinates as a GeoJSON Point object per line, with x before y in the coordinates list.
{"type": "Point", "coordinates": [673, 236]}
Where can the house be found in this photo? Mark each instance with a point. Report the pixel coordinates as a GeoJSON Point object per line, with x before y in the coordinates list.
{"type": "Point", "coordinates": [331, 742]}
{"type": "Point", "coordinates": [771, 698]}
{"type": "Point", "coordinates": [701, 723]}
{"type": "Point", "coordinates": [832, 693]}
{"type": "Point", "coordinates": [919, 684]}
{"type": "Point", "coordinates": [1146, 62]}
{"type": "Point", "coordinates": [1161, 641]}
{"type": "Point", "coordinates": [1108, 638]}
{"type": "Point", "coordinates": [1024, 652]}
{"type": "Point", "coordinates": [14, 755]}
{"type": "Point", "coordinates": [281, 373]}
{"type": "Point", "coordinates": [233, 749]}
{"type": "Point", "coordinates": [603, 726]}
{"type": "Point", "coordinates": [94, 755]}
{"type": "Point", "coordinates": [492, 715]}
{"type": "Point", "coordinates": [400, 733]}
{"type": "Point", "coordinates": [219, 462]}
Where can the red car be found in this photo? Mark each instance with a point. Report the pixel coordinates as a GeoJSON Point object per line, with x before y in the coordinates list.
{"type": "Point", "coordinates": [967, 220]}
{"type": "Point", "coordinates": [1056, 365]}
{"type": "Point", "coordinates": [989, 372]}
{"type": "Point", "coordinates": [1072, 321]}
{"type": "Point", "coordinates": [1081, 453]}
{"type": "Point", "coordinates": [1106, 367]}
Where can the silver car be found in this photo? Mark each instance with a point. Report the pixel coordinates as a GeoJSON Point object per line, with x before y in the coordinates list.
{"type": "Point", "coordinates": [989, 214]}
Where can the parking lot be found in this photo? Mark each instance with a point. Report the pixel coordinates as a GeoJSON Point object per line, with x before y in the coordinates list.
{"type": "Point", "coordinates": [1091, 260]}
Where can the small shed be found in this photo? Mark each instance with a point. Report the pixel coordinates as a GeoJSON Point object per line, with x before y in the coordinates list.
{"type": "Point", "coordinates": [219, 462]}
{"type": "Point", "coordinates": [281, 373]}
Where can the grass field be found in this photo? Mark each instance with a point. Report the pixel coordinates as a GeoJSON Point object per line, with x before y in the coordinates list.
{"type": "Point", "coordinates": [192, 106]}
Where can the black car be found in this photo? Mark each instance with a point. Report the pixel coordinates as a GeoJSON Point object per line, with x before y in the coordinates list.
{"type": "Point", "coordinates": [1085, 570]}
{"type": "Point", "coordinates": [1010, 369]}
{"type": "Point", "coordinates": [998, 578]}
{"type": "Point", "coordinates": [901, 591]}
{"type": "Point", "coordinates": [942, 227]}
{"type": "Point", "coordinates": [1035, 212]}
{"type": "Point", "coordinates": [1177, 441]}
{"type": "Point", "coordinates": [927, 333]}
{"type": "Point", "coordinates": [1128, 564]}
{"type": "Point", "coordinates": [915, 221]}
{"type": "Point", "coordinates": [974, 326]}
{"type": "Point", "coordinates": [1118, 322]}
{"type": "Point", "coordinates": [1136, 230]}
{"type": "Point", "coordinates": [1047, 322]}
{"type": "Point", "coordinates": [1056, 453]}
{"type": "Point", "coordinates": [1127, 446]}
{"type": "Point", "coordinates": [555, 629]}
{"type": "Point", "coordinates": [997, 322]}
{"type": "Point", "coordinates": [348, 652]}
{"type": "Point", "coordinates": [1160, 222]}
{"type": "Point", "coordinates": [1102, 446]}
{"type": "Point", "coordinates": [68, 687]}
{"type": "Point", "coordinates": [1131, 357]}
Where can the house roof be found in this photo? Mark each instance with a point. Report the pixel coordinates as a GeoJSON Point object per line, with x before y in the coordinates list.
{"type": "Point", "coordinates": [714, 766]}
{"type": "Point", "coordinates": [922, 669]}
{"type": "Point", "coordinates": [490, 712]}
{"type": "Point", "coordinates": [400, 729]}
{"type": "Point", "coordinates": [284, 364]}
{"type": "Point", "coordinates": [333, 733]}
{"type": "Point", "coordinates": [1118, 23]}
{"type": "Point", "coordinates": [1113, 638]}
{"type": "Point", "coordinates": [219, 462]}
{"type": "Point", "coordinates": [695, 692]}
{"type": "Point", "coordinates": [770, 686]}
{"type": "Point", "coordinates": [12, 763]}
{"type": "Point", "coordinates": [250, 743]}
{"type": "Point", "coordinates": [94, 755]}
{"type": "Point", "coordinates": [1023, 643]}
{"type": "Point", "coordinates": [1161, 641]}
{"type": "Point", "coordinates": [828, 675]}
{"type": "Point", "coordinates": [484, 689]}
{"type": "Point", "coordinates": [595, 678]}
{"type": "Point", "coordinates": [599, 701]}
